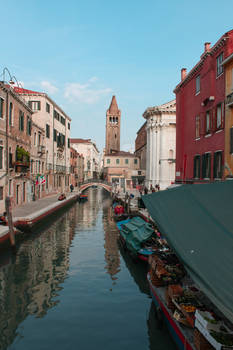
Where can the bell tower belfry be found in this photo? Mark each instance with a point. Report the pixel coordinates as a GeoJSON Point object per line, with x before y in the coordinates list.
{"type": "Point", "coordinates": [113, 128]}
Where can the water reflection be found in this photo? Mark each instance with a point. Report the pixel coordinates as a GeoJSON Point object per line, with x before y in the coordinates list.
{"type": "Point", "coordinates": [31, 280]}
{"type": "Point", "coordinates": [112, 256]}
{"type": "Point", "coordinates": [60, 276]}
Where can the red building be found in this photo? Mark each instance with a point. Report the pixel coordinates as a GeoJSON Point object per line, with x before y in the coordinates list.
{"type": "Point", "coordinates": [200, 113]}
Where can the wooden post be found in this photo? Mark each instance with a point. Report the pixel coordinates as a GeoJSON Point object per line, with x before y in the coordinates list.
{"type": "Point", "coordinates": [10, 222]}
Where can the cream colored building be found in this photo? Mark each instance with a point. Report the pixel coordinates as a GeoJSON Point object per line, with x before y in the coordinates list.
{"type": "Point", "coordinates": [161, 144]}
{"type": "Point", "coordinates": [120, 168]}
{"type": "Point", "coordinates": [91, 155]}
{"type": "Point", "coordinates": [56, 123]}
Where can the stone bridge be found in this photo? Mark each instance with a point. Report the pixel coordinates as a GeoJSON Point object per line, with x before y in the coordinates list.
{"type": "Point", "coordinates": [95, 182]}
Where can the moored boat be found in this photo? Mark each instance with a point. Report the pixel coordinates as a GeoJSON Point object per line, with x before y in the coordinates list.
{"type": "Point", "coordinates": [138, 237]}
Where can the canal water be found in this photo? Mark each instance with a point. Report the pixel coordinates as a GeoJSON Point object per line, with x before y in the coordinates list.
{"type": "Point", "coordinates": [70, 286]}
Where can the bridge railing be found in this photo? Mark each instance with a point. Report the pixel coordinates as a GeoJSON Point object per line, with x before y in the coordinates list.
{"type": "Point", "coordinates": [89, 181]}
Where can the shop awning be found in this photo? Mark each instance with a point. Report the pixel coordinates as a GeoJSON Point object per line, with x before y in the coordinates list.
{"type": "Point", "coordinates": [197, 221]}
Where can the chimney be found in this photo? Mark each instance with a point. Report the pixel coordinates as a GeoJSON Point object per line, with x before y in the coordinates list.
{"type": "Point", "coordinates": [207, 47]}
{"type": "Point", "coordinates": [183, 73]}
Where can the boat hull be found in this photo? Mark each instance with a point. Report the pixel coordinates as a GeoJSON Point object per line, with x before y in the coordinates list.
{"type": "Point", "coordinates": [179, 337]}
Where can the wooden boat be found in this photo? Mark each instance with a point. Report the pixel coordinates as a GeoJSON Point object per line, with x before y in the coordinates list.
{"type": "Point", "coordinates": [82, 198]}
{"type": "Point", "coordinates": [137, 236]}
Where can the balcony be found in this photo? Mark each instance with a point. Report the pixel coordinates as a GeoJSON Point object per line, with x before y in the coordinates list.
{"type": "Point", "coordinates": [60, 169]}
{"type": "Point", "coordinates": [21, 166]}
{"type": "Point", "coordinates": [41, 149]}
{"type": "Point", "coordinates": [229, 100]}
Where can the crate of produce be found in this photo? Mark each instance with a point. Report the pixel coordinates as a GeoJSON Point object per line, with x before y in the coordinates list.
{"type": "Point", "coordinates": [200, 342]}
{"type": "Point", "coordinates": [174, 290]}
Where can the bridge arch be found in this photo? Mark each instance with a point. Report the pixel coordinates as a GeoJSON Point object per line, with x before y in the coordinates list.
{"type": "Point", "coordinates": [95, 182]}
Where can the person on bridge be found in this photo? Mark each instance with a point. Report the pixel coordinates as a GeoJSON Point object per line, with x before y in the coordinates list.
{"type": "Point", "coordinates": [71, 188]}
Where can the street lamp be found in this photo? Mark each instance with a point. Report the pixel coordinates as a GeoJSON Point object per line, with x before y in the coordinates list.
{"type": "Point", "coordinates": [3, 75]}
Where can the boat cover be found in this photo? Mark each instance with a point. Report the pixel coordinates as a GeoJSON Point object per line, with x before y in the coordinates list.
{"type": "Point", "coordinates": [135, 232]}
{"type": "Point", "coordinates": [197, 221]}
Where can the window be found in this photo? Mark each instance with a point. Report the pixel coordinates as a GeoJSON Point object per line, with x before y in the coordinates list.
{"type": "Point", "coordinates": [135, 161]}
{"type": "Point", "coordinates": [219, 115]}
{"type": "Point", "coordinates": [63, 121]}
{"type": "Point", "coordinates": [231, 140]}
{"type": "Point", "coordinates": [197, 127]}
{"type": "Point", "coordinates": [39, 138]}
{"type": "Point", "coordinates": [218, 168]}
{"type": "Point", "coordinates": [68, 143]}
{"type": "Point", "coordinates": [1, 157]}
{"type": "Point", "coordinates": [69, 126]}
{"type": "Point", "coordinates": [34, 105]}
{"type": "Point", "coordinates": [47, 131]}
{"type": "Point", "coordinates": [1, 107]}
{"type": "Point", "coordinates": [47, 107]}
{"type": "Point", "coordinates": [54, 135]}
{"type": "Point", "coordinates": [34, 138]}
{"type": "Point", "coordinates": [1, 193]}
{"type": "Point", "coordinates": [10, 186]}
{"type": "Point", "coordinates": [198, 85]}
{"type": "Point", "coordinates": [126, 161]}
{"type": "Point", "coordinates": [206, 165]}
{"type": "Point", "coordinates": [21, 121]}
{"type": "Point", "coordinates": [56, 115]}
{"type": "Point", "coordinates": [207, 122]}
{"type": "Point", "coordinates": [11, 114]}
{"type": "Point", "coordinates": [219, 64]}
{"type": "Point", "coordinates": [29, 125]}
{"type": "Point", "coordinates": [117, 161]}
{"type": "Point", "coordinates": [108, 161]}
{"type": "Point", "coordinates": [197, 167]}
{"type": "Point", "coordinates": [10, 158]}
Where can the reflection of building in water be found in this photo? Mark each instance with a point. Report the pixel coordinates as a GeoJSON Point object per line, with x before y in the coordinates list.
{"type": "Point", "coordinates": [30, 284]}
{"type": "Point", "coordinates": [112, 256]}
{"type": "Point", "coordinates": [86, 210]}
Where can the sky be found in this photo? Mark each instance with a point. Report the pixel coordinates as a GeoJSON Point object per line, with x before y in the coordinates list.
{"type": "Point", "coordinates": [81, 53]}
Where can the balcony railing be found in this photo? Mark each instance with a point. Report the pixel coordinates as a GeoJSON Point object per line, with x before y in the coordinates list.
{"type": "Point", "coordinates": [41, 149]}
{"type": "Point", "coordinates": [49, 166]}
{"type": "Point", "coordinates": [60, 169]}
{"type": "Point", "coordinates": [229, 100]}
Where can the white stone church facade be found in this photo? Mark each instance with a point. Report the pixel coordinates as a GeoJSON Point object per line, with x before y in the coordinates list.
{"type": "Point", "coordinates": [161, 144]}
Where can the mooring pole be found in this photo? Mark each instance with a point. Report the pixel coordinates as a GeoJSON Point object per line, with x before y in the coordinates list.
{"type": "Point", "coordinates": [10, 222]}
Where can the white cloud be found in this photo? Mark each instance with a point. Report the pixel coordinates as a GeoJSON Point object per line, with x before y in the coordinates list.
{"type": "Point", "coordinates": [50, 88]}
{"type": "Point", "coordinates": [85, 93]}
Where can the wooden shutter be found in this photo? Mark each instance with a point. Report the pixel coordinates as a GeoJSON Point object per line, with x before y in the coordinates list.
{"type": "Point", "coordinates": [199, 166]}
{"type": "Point", "coordinates": [38, 105]}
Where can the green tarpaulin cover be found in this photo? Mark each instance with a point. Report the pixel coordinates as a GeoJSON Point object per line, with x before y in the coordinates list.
{"type": "Point", "coordinates": [135, 232]}
{"type": "Point", "coordinates": [197, 221]}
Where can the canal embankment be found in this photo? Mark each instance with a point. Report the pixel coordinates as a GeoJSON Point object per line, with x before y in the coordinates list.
{"type": "Point", "coordinates": [27, 216]}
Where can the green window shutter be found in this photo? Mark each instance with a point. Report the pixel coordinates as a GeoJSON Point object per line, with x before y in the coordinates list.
{"type": "Point", "coordinates": [203, 161]}
{"type": "Point", "coordinates": [231, 140]}
{"type": "Point", "coordinates": [221, 171]}
{"type": "Point", "coordinates": [38, 105]}
{"type": "Point", "coordinates": [199, 166]}
{"type": "Point", "coordinates": [30, 104]}
{"type": "Point", "coordinates": [215, 166]}
{"type": "Point", "coordinates": [194, 166]}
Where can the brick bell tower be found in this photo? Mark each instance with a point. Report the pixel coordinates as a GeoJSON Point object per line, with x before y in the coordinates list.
{"type": "Point", "coordinates": [113, 128]}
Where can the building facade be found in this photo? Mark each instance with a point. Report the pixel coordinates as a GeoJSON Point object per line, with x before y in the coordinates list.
{"type": "Point", "coordinates": [200, 116]}
{"type": "Point", "coordinates": [15, 148]}
{"type": "Point", "coordinates": [140, 146]}
{"type": "Point", "coordinates": [50, 117]}
{"type": "Point", "coordinates": [228, 67]}
{"type": "Point", "coordinates": [161, 144]}
{"type": "Point", "coordinates": [120, 168]}
{"type": "Point", "coordinates": [88, 149]}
